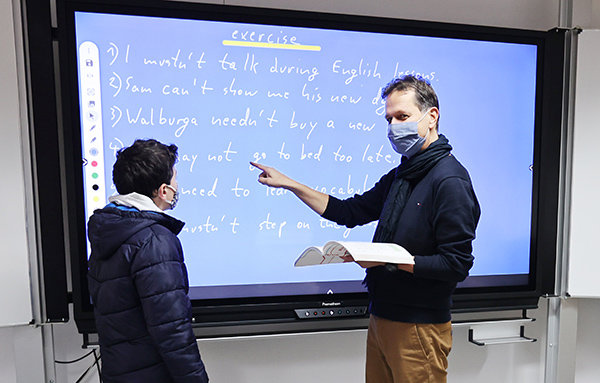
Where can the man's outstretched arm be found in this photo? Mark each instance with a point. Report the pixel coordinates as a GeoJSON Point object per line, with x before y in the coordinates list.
{"type": "Point", "coordinates": [314, 199]}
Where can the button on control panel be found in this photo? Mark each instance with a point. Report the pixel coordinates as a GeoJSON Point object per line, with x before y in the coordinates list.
{"type": "Point", "coordinates": [331, 312]}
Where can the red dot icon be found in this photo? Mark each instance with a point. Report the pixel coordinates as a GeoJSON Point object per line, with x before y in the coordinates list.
{"type": "Point", "coordinates": [94, 163]}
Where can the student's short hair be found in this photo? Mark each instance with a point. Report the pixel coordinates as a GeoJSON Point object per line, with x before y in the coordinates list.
{"type": "Point", "coordinates": [425, 96]}
{"type": "Point", "coordinates": [143, 167]}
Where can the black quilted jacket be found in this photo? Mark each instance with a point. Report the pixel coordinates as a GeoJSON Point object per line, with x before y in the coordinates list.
{"type": "Point", "coordinates": [139, 284]}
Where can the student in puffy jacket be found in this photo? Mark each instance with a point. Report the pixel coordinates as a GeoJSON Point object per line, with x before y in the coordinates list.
{"type": "Point", "coordinates": [137, 277]}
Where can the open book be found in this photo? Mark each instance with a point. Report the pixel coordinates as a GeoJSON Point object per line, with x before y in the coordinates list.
{"type": "Point", "coordinates": [341, 252]}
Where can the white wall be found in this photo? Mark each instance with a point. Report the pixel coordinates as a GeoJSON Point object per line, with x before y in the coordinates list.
{"type": "Point", "coordinates": [586, 14]}
{"type": "Point", "coordinates": [334, 357]}
{"type": "Point", "coordinates": [587, 368]}
{"type": "Point", "coordinates": [530, 14]}
{"type": "Point", "coordinates": [7, 357]}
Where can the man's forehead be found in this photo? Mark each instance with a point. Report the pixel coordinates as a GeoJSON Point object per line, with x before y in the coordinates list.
{"type": "Point", "coordinates": [402, 99]}
{"type": "Point", "coordinates": [406, 94]}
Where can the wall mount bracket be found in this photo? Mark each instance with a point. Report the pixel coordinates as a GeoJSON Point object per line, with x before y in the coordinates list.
{"type": "Point", "coordinates": [498, 331]}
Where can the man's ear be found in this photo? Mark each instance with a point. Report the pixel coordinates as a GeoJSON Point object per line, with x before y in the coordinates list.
{"type": "Point", "coordinates": [434, 115]}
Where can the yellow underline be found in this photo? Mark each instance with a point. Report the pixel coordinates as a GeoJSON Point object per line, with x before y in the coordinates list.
{"type": "Point", "coordinates": [271, 45]}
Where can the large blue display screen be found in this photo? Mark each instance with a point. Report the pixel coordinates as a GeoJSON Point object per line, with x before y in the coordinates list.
{"type": "Point", "coordinates": [306, 101]}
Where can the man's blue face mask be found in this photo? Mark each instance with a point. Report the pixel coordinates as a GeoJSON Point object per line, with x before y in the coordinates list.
{"type": "Point", "coordinates": [405, 138]}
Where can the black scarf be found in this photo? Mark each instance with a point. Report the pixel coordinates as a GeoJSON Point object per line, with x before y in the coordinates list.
{"type": "Point", "coordinates": [407, 175]}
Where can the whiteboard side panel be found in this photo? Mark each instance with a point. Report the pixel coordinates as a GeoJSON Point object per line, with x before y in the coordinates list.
{"type": "Point", "coordinates": [584, 253]}
{"type": "Point", "coordinates": [15, 297]}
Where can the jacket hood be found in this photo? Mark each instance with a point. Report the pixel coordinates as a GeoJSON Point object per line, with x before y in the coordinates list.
{"type": "Point", "coordinates": [110, 227]}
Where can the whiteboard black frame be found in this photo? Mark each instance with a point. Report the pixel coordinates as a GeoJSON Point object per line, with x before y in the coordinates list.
{"type": "Point", "coordinates": [237, 316]}
{"type": "Point", "coordinates": [46, 143]}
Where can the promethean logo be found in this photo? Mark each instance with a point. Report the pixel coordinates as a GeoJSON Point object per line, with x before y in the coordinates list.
{"type": "Point", "coordinates": [327, 304]}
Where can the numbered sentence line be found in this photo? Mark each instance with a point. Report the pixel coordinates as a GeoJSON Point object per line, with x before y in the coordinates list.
{"type": "Point", "coordinates": [234, 43]}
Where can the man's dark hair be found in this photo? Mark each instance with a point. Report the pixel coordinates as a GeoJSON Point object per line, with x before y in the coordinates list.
{"type": "Point", "coordinates": [425, 96]}
{"type": "Point", "coordinates": [143, 167]}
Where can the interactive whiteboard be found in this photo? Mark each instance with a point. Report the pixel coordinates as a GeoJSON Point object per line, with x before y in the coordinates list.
{"type": "Point", "coordinates": [306, 101]}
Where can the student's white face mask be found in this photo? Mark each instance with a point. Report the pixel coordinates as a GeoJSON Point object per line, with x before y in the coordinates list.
{"type": "Point", "coordinates": [173, 202]}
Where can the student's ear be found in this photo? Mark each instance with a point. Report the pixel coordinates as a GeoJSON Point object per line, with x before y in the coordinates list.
{"type": "Point", "coordinates": [160, 197]}
{"type": "Point", "coordinates": [161, 192]}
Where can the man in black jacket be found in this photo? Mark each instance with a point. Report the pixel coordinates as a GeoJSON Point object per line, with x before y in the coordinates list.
{"type": "Point", "coordinates": [428, 206]}
{"type": "Point", "coordinates": [137, 278]}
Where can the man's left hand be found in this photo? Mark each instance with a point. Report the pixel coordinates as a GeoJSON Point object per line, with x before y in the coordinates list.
{"type": "Point", "coordinates": [406, 267]}
{"type": "Point", "coordinates": [366, 265]}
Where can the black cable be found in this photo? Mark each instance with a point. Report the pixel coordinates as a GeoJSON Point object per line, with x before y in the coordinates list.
{"type": "Point", "coordinates": [85, 373]}
{"type": "Point", "coordinates": [75, 360]}
{"type": "Point", "coordinates": [97, 362]}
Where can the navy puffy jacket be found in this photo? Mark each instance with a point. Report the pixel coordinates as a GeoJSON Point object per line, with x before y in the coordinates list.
{"type": "Point", "coordinates": [139, 285]}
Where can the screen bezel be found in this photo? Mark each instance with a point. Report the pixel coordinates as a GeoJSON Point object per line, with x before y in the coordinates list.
{"type": "Point", "coordinates": [275, 313]}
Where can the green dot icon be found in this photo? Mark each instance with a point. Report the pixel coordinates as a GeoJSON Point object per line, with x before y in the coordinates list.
{"type": "Point", "coordinates": [94, 175]}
